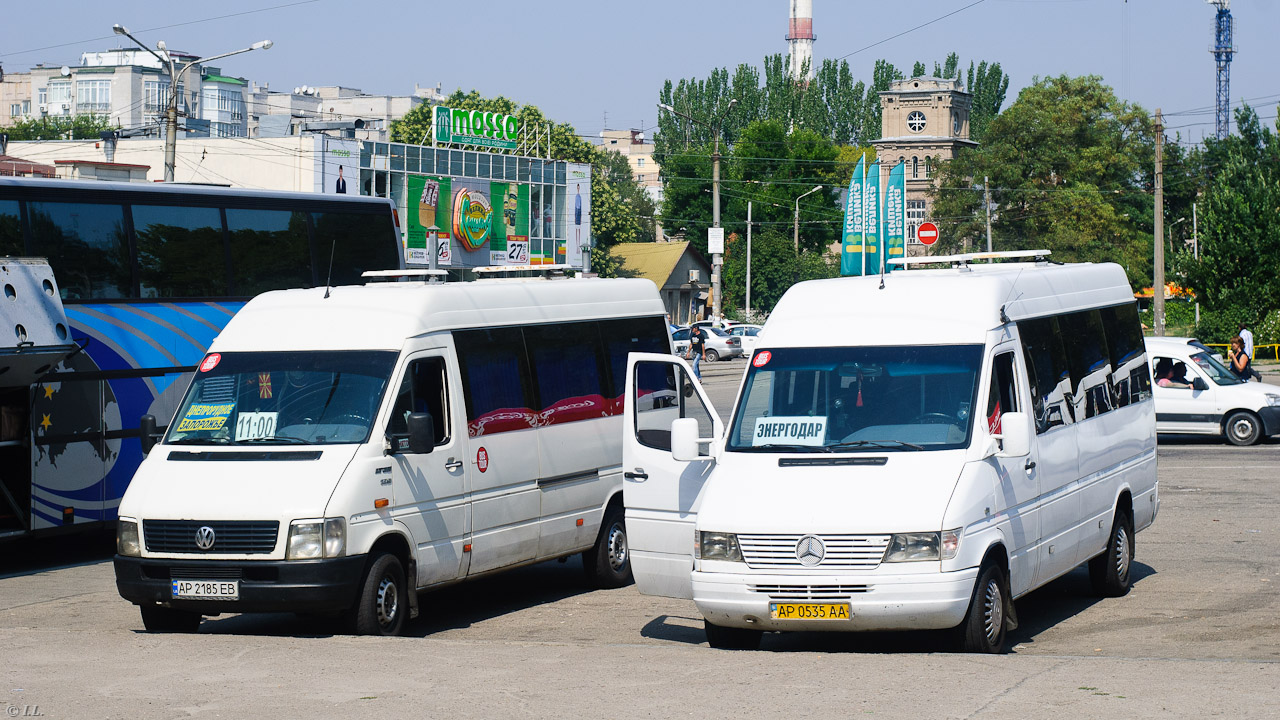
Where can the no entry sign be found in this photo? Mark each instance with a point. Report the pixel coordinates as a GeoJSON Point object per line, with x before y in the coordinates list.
{"type": "Point", "coordinates": [927, 233]}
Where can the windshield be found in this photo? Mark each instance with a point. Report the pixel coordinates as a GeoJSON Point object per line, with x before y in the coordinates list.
{"type": "Point", "coordinates": [1216, 371]}
{"type": "Point", "coordinates": [857, 399]}
{"type": "Point", "coordinates": [283, 398]}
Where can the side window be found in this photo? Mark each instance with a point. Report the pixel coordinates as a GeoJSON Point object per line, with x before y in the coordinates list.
{"type": "Point", "coordinates": [180, 251]}
{"type": "Point", "coordinates": [358, 242]}
{"type": "Point", "coordinates": [623, 337]}
{"type": "Point", "coordinates": [680, 335]}
{"type": "Point", "coordinates": [496, 386]}
{"type": "Point", "coordinates": [86, 245]}
{"type": "Point", "coordinates": [569, 371]}
{"type": "Point", "coordinates": [664, 393]}
{"type": "Point", "coordinates": [425, 388]}
{"type": "Point", "coordinates": [269, 250]}
{"type": "Point", "coordinates": [10, 229]}
{"type": "Point", "coordinates": [1130, 380]}
{"type": "Point", "coordinates": [1172, 373]}
{"type": "Point", "coordinates": [1002, 396]}
{"type": "Point", "coordinates": [1047, 370]}
{"type": "Point", "coordinates": [1088, 362]}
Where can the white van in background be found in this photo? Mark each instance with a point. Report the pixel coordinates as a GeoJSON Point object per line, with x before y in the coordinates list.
{"type": "Point", "coordinates": [906, 457]}
{"type": "Point", "coordinates": [340, 450]}
{"type": "Point", "coordinates": [1206, 398]}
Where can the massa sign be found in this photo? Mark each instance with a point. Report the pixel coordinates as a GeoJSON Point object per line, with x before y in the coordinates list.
{"type": "Point", "coordinates": [475, 127]}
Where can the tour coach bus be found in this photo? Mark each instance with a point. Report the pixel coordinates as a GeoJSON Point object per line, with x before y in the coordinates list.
{"type": "Point", "coordinates": [909, 456]}
{"type": "Point", "coordinates": [146, 275]}
{"type": "Point", "coordinates": [339, 450]}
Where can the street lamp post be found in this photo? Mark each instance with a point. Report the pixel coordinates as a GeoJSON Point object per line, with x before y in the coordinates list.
{"type": "Point", "coordinates": [175, 76]}
{"type": "Point", "coordinates": [716, 259]}
{"type": "Point", "coordinates": [797, 221]}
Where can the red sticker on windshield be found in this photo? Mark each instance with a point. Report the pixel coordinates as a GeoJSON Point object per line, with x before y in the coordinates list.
{"type": "Point", "coordinates": [482, 459]}
{"type": "Point", "coordinates": [210, 362]}
{"type": "Point", "coordinates": [762, 358]}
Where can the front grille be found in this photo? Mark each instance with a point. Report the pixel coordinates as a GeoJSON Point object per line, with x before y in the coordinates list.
{"type": "Point", "coordinates": [230, 536]}
{"type": "Point", "coordinates": [809, 592]}
{"type": "Point", "coordinates": [208, 573]}
{"type": "Point", "coordinates": [843, 552]}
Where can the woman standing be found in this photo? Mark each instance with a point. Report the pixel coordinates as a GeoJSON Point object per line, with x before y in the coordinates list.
{"type": "Point", "coordinates": [1241, 363]}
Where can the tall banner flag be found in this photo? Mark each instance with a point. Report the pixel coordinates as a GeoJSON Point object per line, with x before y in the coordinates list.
{"type": "Point", "coordinates": [894, 215]}
{"type": "Point", "coordinates": [851, 249]}
{"type": "Point", "coordinates": [873, 218]}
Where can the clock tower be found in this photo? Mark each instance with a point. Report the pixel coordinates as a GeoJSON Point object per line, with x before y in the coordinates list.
{"type": "Point", "coordinates": [922, 120]}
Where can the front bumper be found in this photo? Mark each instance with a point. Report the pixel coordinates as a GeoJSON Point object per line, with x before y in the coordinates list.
{"type": "Point", "coordinates": [933, 601]}
{"type": "Point", "coordinates": [1270, 420]}
{"type": "Point", "coordinates": [309, 586]}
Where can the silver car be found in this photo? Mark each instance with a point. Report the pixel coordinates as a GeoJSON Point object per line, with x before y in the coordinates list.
{"type": "Point", "coordinates": [720, 345]}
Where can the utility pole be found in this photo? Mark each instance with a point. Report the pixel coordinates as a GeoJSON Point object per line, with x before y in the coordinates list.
{"type": "Point", "coordinates": [1195, 250]}
{"type": "Point", "coordinates": [986, 197]}
{"type": "Point", "coordinates": [749, 260]}
{"type": "Point", "coordinates": [1158, 282]}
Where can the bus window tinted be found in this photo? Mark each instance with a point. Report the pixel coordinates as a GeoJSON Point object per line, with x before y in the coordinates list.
{"type": "Point", "coordinates": [180, 251]}
{"type": "Point", "coordinates": [10, 229]}
{"type": "Point", "coordinates": [358, 242]}
{"type": "Point", "coordinates": [625, 336]}
{"type": "Point", "coordinates": [86, 246]}
{"type": "Point", "coordinates": [269, 250]}
{"type": "Point", "coordinates": [495, 380]}
{"type": "Point", "coordinates": [1130, 379]}
{"type": "Point", "coordinates": [568, 367]}
{"type": "Point", "coordinates": [1047, 370]}
{"type": "Point", "coordinates": [1085, 343]}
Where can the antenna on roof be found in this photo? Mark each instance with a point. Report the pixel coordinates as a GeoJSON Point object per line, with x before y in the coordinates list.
{"type": "Point", "coordinates": [328, 281]}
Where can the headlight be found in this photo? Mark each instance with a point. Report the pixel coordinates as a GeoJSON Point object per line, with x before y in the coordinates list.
{"type": "Point", "coordinates": [1273, 400]}
{"type": "Point", "coordinates": [718, 546]}
{"type": "Point", "coordinates": [127, 538]}
{"type": "Point", "coordinates": [335, 537]}
{"type": "Point", "coordinates": [313, 539]}
{"type": "Point", "coordinates": [912, 547]}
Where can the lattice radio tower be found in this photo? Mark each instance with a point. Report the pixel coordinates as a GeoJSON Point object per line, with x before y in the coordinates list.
{"type": "Point", "coordinates": [1222, 50]}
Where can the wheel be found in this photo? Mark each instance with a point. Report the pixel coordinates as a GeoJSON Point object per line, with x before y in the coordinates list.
{"type": "Point", "coordinates": [727, 638]}
{"type": "Point", "coordinates": [1242, 428]}
{"type": "Point", "coordinates": [1109, 572]}
{"type": "Point", "coordinates": [158, 619]}
{"type": "Point", "coordinates": [983, 628]}
{"type": "Point", "coordinates": [383, 599]}
{"type": "Point", "coordinates": [608, 562]}
{"type": "Point", "coordinates": [712, 355]}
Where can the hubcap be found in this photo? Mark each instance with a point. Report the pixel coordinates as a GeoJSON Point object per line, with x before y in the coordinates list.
{"type": "Point", "coordinates": [1242, 429]}
{"type": "Point", "coordinates": [1122, 553]}
{"type": "Point", "coordinates": [617, 547]}
{"type": "Point", "coordinates": [388, 602]}
{"type": "Point", "coordinates": [992, 611]}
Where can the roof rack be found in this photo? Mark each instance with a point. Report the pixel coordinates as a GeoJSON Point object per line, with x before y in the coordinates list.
{"type": "Point", "coordinates": [966, 258]}
{"type": "Point", "coordinates": [503, 269]}
{"type": "Point", "coordinates": [411, 274]}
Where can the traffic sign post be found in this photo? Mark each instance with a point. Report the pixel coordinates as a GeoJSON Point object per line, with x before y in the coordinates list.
{"type": "Point", "coordinates": [927, 233]}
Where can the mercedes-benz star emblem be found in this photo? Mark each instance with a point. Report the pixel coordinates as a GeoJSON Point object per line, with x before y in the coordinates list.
{"type": "Point", "coordinates": [204, 537]}
{"type": "Point", "coordinates": [810, 550]}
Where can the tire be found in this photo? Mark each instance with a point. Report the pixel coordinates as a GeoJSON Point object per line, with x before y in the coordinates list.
{"type": "Point", "coordinates": [728, 638]}
{"type": "Point", "coordinates": [1242, 428]}
{"type": "Point", "coordinates": [983, 629]}
{"type": "Point", "coordinates": [1110, 572]}
{"type": "Point", "coordinates": [712, 355]}
{"type": "Point", "coordinates": [384, 599]}
{"type": "Point", "coordinates": [608, 563]}
{"type": "Point", "coordinates": [158, 619]}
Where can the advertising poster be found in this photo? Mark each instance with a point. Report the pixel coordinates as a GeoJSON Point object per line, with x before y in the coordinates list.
{"type": "Point", "coordinates": [851, 250]}
{"type": "Point", "coordinates": [577, 242]}
{"type": "Point", "coordinates": [894, 215]}
{"type": "Point", "coordinates": [874, 217]}
{"type": "Point", "coordinates": [339, 173]}
{"type": "Point", "coordinates": [509, 241]}
{"type": "Point", "coordinates": [428, 203]}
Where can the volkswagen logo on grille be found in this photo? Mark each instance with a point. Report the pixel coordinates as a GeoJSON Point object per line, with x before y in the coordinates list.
{"type": "Point", "coordinates": [204, 537]}
{"type": "Point", "coordinates": [810, 550]}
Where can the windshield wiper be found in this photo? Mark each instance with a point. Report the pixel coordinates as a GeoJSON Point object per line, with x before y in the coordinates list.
{"type": "Point", "coordinates": [880, 444]}
{"type": "Point", "coordinates": [200, 441]}
{"type": "Point", "coordinates": [783, 447]}
{"type": "Point", "coordinates": [269, 440]}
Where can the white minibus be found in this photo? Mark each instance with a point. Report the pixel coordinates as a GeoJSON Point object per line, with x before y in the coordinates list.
{"type": "Point", "coordinates": [340, 450]}
{"type": "Point", "coordinates": [906, 454]}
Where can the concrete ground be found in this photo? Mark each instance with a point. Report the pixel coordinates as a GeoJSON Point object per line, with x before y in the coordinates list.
{"type": "Point", "coordinates": [1198, 636]}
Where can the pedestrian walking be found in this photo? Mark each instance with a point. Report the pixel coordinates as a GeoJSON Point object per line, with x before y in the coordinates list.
{"type": "Point", "coordinates": [697, 349]}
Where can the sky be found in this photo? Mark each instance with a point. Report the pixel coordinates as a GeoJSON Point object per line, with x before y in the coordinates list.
{"type": "Point", "coordinates": [600, 64]}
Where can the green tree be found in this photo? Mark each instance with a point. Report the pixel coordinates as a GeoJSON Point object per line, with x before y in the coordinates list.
{"type": "Point", "coordinates": [73, 127]}
{"type": "Point", "coordinates": [1069, 167]}
{"type": "Point", "coordinates": [774, 268]}
{"type": "Point", "coordinates": [1237, 277]}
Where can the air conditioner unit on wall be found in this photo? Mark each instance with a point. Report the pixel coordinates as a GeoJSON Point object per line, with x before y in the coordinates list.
{"type": "Point", "coordinates": [695, 276]}
{"type": "Point", "coordinates": [44, 109]}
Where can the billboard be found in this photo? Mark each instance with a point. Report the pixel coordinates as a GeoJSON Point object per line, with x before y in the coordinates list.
{"type": "Point", "coordinates": [340, 165]}
{"type": "Point", "coordinates": [475, 127]}
{"type": "Point", "coordinates": [481, 223]}
{"type": "Point", "coordinates": [577, 242]}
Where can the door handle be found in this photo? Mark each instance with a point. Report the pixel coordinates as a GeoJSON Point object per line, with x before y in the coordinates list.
{"type": "Point", "coordinates": [453, 465]}
{"type": "Point", "coordinates": [1031, 465]}
{"type": "Point", "coordinates": [639, 474]}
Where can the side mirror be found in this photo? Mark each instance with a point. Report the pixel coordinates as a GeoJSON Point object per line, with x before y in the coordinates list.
{"type": "Point", "coordinates": [684, 439]}
{"type": "Point", "coordinates": [1199, 384]}
{"type": "Point", "coordinates": [1015, 428]}
{"type": "Point", "coordinates": [147, 434]}
{"type": "Point", "coordinates": [422, 433]}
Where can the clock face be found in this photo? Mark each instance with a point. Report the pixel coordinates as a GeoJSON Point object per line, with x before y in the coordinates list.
{"type": "Point", "coordinates": [915, 121]}
{"type": "Point", "coordinates": [956, 124]}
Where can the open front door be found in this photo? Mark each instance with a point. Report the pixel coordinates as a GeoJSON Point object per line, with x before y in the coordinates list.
{"type": "Point", "coordinates": [661, 494]}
